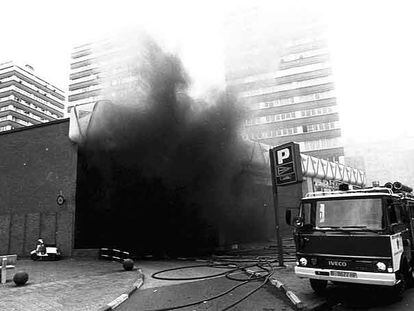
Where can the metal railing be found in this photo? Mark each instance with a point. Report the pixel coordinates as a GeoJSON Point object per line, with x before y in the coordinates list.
{"type": "Point", "coordinates": [326, 170]}
{"type": "Point", "coordinates": [376, 190]}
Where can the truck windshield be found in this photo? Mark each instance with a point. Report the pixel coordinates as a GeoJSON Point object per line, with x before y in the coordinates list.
{"type": "Point", "coordinates": [352, 214]}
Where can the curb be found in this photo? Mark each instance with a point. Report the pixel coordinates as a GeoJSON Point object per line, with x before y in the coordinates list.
{"type": "Point", "coordinates": [121, 298]}
{"type": "Point", "coordinates": [297, 303]}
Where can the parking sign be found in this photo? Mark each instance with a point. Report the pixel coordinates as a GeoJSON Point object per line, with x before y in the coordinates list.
{"type": "Point", "coordinates": [286, 166]}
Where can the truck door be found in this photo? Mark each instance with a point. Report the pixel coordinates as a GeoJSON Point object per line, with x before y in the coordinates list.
{"type": "Point", "coordinates": [401, 222]}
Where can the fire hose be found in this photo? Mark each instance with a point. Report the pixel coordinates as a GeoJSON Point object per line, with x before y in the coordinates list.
{"type": "Point", "coordinates": [266, 271]}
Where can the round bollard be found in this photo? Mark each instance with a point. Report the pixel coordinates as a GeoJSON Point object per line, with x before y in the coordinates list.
{"type": "Point", "coordinates": [128, 264]}
{"type": "Point", "coordinates": [20, 278]}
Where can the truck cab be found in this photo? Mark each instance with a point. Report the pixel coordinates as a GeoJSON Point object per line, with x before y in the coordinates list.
{"type": "Point", "coordinates": [356, 236]}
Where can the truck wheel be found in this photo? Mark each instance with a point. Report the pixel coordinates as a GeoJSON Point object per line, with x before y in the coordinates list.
{"type": "Point", "coordinates": [410, 277]}
{"type": "Point", "coordinates": [34, 256]}
{"type": "Point", "coordinates": [399, 289]}
{"type": "Point", "coordinates": [318, 286]}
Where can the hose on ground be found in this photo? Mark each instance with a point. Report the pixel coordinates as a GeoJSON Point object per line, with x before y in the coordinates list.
{"type": "Point", "coordinates": [266, 271]}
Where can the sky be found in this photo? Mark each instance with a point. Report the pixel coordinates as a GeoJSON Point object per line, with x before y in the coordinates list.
{"type": "Point", "coordinates": [371, 46]}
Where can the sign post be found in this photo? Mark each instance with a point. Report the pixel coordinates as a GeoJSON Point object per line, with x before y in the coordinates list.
{"type": "Point", "coordinates": [286, 169]}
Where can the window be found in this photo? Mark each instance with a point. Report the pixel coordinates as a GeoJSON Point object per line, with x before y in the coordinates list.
{"type": "Point", "coordinates": [394, 213]}
{"type": "Point", "coordinates": [352, 213]}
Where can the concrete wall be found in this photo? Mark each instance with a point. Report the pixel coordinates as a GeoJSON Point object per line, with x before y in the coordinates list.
{"type": "Point", "coordinates": [37, 164]}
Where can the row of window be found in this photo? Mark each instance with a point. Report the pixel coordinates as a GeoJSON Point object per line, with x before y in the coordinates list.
{"type": "Point", "coordinates": [295, 99]}
{"type": "Point", "coordinates": [87, 100]}
{"type": "Point", "coordinates": [32, 77]}
{"type": "Point", "coordinates": [318, 111]}
{"type": "Point", "coordinates": [294, 130]}
{"type": "Point", "coordinates": [281, 116]}
{"type": "Point", "coordinates": [287, 86]}
{"type": "Point", "coordinates": [31, 86]}
{"type": "Point", "coordinates": [110, 71]}
{"type": "Point", "coordinates": [291, 115]}
{"type": "Point", "coordinates": [87, 78]}
{"type": "Point", "coordinates": [321, 127]}
{"type": "Point", "coordinates": [107, 62]}
{"type": "Point", "coordinates": [29, 114]}
{"type": "Point", "coordinates": [325, 143]}
{"type": "Point", "coordinates": [295, 56]}
{"type": "Point", "coordinates": [12, 118]}
{"type": "Point", "coordinates": [280, 73]}
{"type": "Point", "coordinates": [30, 95]}
{"type": "Point", "coordinates": [6, 128]}
{"type": "Point", "coordinates": [113, 82]}
{"type": "Point", "coordinates": [18, 99]}
{"type": "Point", "coordinates": [94, 57]}
{"type": "Point", "coordinates": [85, 89]}
{"type": "Point", "coordinates": [84, 68]}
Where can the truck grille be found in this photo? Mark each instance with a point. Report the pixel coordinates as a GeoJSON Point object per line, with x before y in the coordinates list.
{"type": "Point", "coordinates": [343, 264]}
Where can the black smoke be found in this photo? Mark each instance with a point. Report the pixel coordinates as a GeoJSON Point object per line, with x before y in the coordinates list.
{"type": "Point", "coordinates": [162, 173]}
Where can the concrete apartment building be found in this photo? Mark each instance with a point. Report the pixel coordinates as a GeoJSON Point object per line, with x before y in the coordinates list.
{"type": "Point", "coordinates": [26, 99]}
{"type": "Point", "coordinates": [283, 77]}
{"type": "Point", "coordinates": [84, 84]}
{"type": "Point", "coordinates": [103, 69]}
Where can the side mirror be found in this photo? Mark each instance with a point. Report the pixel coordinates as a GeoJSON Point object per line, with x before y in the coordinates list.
{"type": "Point", "coordinates": [288, 217]}
{"type": "Point", "coordinates": [298, 222]}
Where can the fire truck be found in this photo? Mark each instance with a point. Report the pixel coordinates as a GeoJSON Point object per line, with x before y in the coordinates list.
{"type": "Point", "coordinates": [360, 236]}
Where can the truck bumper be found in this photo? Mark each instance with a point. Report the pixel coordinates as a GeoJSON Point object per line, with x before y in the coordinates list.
{"type": "Point", "coordinates": [387, 279]}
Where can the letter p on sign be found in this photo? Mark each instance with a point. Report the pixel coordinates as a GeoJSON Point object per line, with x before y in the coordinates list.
{"type": "Point", "coordinates": [282, 154]}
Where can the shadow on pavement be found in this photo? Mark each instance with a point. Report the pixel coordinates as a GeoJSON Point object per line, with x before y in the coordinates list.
{"type": "Point", "coordinates": [355, 297]}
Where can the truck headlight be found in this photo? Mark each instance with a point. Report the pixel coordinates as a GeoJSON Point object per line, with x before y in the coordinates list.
{"type": "Point", "coordinates": [303, 261]}
{"type": "Point", "coordinates": [381, 266]}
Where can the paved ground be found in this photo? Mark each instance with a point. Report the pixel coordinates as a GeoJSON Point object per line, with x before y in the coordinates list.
{"type": "Point", "coordinates": [86, 284]}
{"type": "Point", "coordinates": [156, 294]}
{"type": "Point", "coordinates": [266, 299]}
{"type": "Point", "coordinates": [372, 298]}
{"type": "Point", "coordinates": [300, 287]}
{"type": "Point", "coordinates": [70, 284]}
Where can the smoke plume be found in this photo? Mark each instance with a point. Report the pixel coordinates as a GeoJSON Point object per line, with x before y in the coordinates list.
{"type": "Point", "coordinates": [161, 172]}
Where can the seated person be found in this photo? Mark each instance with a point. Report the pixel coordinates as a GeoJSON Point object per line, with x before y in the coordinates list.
{"type": "Point", "coordinates": [40, 247]}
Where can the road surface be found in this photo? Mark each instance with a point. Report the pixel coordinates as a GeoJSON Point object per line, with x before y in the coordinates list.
{"type": "Point", "coordinates": [266, 299]}
{"type": "Point", "coordinates": [341, 298]}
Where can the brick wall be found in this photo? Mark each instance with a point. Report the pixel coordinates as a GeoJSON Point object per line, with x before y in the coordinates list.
{"type": "Point", "coordinates": [37, 164]}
